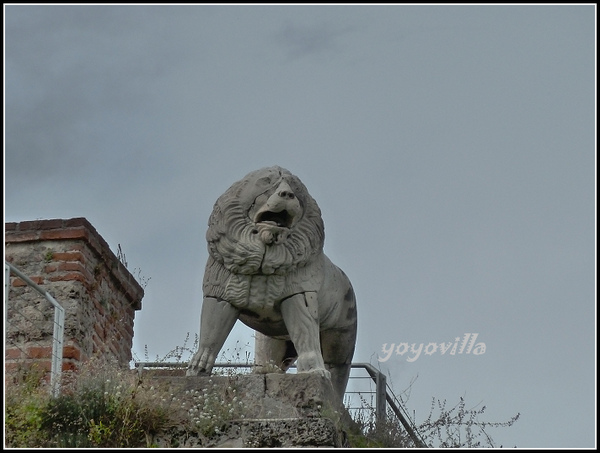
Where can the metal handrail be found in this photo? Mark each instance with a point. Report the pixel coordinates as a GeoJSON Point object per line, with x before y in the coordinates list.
{"type": "Point", "coordinates": [59, 325]}
{"type": "Point", "coordinates": [383, 392]}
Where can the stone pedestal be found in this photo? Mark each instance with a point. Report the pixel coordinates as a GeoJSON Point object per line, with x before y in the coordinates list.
{"type": "Point", "coordinates": [255, 410]}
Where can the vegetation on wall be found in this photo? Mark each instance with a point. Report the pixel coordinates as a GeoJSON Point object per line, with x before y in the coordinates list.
{"type": "Point", "coordinates": [100, 406]}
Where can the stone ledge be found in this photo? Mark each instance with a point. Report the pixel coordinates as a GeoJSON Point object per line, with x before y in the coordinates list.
{"type": "Point", "coordinates": [279, 410]}
{"type": "Point", "coordinates": [272, 395]}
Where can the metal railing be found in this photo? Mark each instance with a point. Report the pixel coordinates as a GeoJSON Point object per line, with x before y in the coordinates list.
{"type": "Point", "coordinates": [384, 395]}
{"type": "Point", "coordinates": [58, 330]}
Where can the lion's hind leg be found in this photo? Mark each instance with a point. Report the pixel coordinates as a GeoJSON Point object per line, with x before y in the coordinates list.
{"type": "Point", "coordinates": [273, 354]}
{"type": "Point", "coordinates": [338, 349]}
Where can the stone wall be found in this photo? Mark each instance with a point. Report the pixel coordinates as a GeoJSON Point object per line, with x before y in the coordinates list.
{"type": "Point", "coordinates": [73, 263]}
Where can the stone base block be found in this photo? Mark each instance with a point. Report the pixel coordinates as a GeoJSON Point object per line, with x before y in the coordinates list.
{"type": "Point", "coordinates": [257, 410]}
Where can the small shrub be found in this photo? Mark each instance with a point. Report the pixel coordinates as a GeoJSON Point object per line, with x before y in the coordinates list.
{"type": "Point", "coordinates": [25, 397]}
{"type": "Point", "coordinates": [101, 406]}
{"type": "Point", "coordinates": [457, 427]}
{"type": "Point", "coordinates": [210, 408]}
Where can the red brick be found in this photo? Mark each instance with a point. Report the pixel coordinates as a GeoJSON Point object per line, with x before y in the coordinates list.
{"type": "Point", "coordinates": [128, 329]}
{"type": "Point", "coordinates": [75, 266]}
{"type": "Point", "coordinates": [68, 277]}
{"type": "Point", "coordinates": [69, 366]}
{"type": "Point", "coordinates": [100, 331]}
{"type": "Point", "coordinates": [99, 347]}
{"type": "Point", "coordinates": [21, 237]}
{"type": "Point", "coordinates": [71, 352]}
{"type": "Point", "coordinates": [17, 282]}
{"type": "Point", "coordinates": [52, 224]}
{"type": "Point", "coordinates": [11, 366]}
{"type": "Point", "coordinates": [71, 266]}
{"type": "Point", "coordinates": [37, 352]}
{"type": "Point", "coordinates": [78, 222]}
{"type": "Point", "coordinates": [30, 225]}
{"type": "Point", "coordinates": [71, 233]}
{"type": "Point", "coordinates": [12, 353]}
{"type": "Point", "coordinates": [68, 256]}
{"type": "Point", "coordinates": [36, 279]}
{"type": "Point", "coordinates": [114, 349]}
{"type": "Point", "coordinates": [99, 307]}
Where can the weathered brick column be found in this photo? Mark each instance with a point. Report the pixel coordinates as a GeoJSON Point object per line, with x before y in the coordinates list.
{"type": "Point", "coordinates": [72, 262]}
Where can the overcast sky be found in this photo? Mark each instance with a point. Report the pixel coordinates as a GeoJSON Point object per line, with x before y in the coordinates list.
{"type": "Point", "coordinates": [451, 150]}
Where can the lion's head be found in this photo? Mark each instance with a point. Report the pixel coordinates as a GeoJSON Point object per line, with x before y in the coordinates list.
{"type": "Point", "coordinates": [266, 223]}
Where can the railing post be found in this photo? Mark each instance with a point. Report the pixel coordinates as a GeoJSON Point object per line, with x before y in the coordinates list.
{"type": "Point", "coordinates": [6, 290]}
{"type": "Point", "coordinates": [380, 397]}
{"type": "Point", "coordinates": [57, 346]}
{"type": "Point", "coordinates": [381, 411]}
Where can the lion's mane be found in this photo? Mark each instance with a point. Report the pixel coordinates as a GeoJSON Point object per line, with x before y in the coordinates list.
{"type": "Point", "coordinates": [237, 254]}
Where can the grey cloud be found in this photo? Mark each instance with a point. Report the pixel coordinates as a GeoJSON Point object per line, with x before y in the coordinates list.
{"type": "Point", "coordinates": [70, 71]}
{"type": "Point", "coordinates": [301, 40]}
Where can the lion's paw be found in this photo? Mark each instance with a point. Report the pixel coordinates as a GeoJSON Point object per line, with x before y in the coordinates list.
{"type": "Point", "coordinates": [199, 364]}
{"type": "Point", "coordinates": [312, 362]}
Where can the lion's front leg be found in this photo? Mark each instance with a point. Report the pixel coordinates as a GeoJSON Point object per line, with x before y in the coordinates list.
{"type": "Point", "coordinates": [216, 321]}
{"type": "Point", "coordinates": [301, 316]}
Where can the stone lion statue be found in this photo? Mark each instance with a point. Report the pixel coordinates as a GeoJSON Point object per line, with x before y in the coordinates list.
{"type": "Point", "coordinates": [266, 267]}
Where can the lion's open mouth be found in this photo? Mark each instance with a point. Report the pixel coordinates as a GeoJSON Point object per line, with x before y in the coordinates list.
{"type": "Point", "coordinates": [282, 219]}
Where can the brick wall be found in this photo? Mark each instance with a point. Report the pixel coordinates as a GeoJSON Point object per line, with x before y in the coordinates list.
{"type": "Point", "coordinates": [72, 262]}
